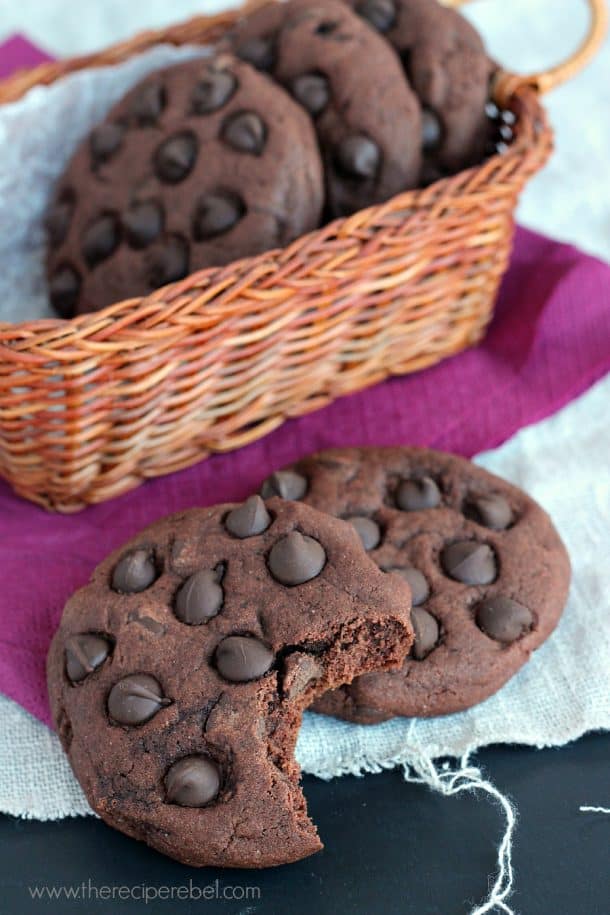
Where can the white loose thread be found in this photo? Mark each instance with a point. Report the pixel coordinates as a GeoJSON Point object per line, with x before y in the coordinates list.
{"type": "Point", "coordinates": [467, 777]}
{"type": "Point", "coordinates": [594, 809]}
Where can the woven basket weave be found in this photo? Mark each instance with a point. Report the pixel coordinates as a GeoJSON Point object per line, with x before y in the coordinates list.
{"type": "Point", "coordinates": [91, 407]}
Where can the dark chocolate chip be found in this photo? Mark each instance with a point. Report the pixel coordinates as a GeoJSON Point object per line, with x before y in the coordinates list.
{"type": "Point", "coordinates": [169, 262]}
{"type": "Point", "coordinates": [420, 589]}
{"type": "Point", "coordinates": [192, 782]}
{"type": "Point", "coordinates": [217, 213]}
{"type": "Point", "coordinates": [426, 632]}
{"type": "Point", "coordinates": [134, 572]}
{"type": "Point", "coordinates": [143, 222]}
{"type": "Point", "coordinates": [503, 619]}
{"type": "Point", "coordinates": [367, 529]}
{"type": "Point", "coordinates": [59, 218]}
{"type": "Point", "coordinates": [470, 562]}
{"type": "Point", "coordinates": [245, 131]}
{"type": "Point", "coordinates": [213, 91]}
{"type": "Point", "coordinates": [249, 519]}
{"type": "Point", "coordinates": [200, 598]}
{"type": "Point", "coordinates": [148, 104]}
{"type": "Point", "coordinates": [259, 52]}
{"type": "Point", "coordinates": [493, 512]}
{"type": "Point", "coordinates": [431, 130]}
{"type": "Point", "coordinates": [64, 290]}
{"type": "Point", "coordinates": [326, 28]}
{"type": "Point", "coordinates": [417, 494]}
{"type": "Point", "coordinates": [84, 654]}
{"type": "Point", "coordinates": [300, 670]}
{"type": "Point", "coordinates": [312, 91]}
{"type": "Point", "coordinates": [101, 239]}
{"type": "Point", "coordinates": [381, 14]}
{"type": "Point", "coordinates": [135, 699]}
{"type": "Point", "coordinates": [240, 658]}
{"type": "Point", "coordinates": [358, 156]}
{"type": "Point", "coordinates": [175, 157]}
{"type": "Point", "coordinates": [288, 484]}
{"type": "Point", "coordinates": [105, 141]}
{"type": "Point", "coordinates": [295, 559]}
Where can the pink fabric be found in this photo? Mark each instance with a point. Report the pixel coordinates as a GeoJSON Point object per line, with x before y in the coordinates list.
{"type": "Point", "coordinates": [18, 53]}
{"type": "Point", "coordinates": [549, 341]}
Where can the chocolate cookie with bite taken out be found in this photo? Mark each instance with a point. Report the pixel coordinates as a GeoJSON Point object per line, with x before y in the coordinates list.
{"type": "Point", "coordinates": [198, 165]}
{"type": "Point", "coordinates": [178, 676]}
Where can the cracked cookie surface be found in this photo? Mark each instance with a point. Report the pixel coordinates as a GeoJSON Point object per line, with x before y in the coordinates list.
{"type": "Point", "coordinates": [488, 572]}
{"type": "Point", "coordinates": [178, 676]}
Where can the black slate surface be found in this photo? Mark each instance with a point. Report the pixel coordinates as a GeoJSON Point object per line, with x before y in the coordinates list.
{"type": "Point", "coordinates": [391, 847]}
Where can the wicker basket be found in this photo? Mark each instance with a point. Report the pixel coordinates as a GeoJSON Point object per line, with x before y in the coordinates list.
{"type": "Point", "coordinates": [91, 407]}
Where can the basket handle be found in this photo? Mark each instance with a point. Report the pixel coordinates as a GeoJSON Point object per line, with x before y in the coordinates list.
{"type": "Point", "coordinates": [508, 83]}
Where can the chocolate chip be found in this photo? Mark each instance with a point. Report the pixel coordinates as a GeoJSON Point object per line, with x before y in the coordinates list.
{"type": "Point", "coordinates": [503, 619]}
{"type": "Point", "coordinates": [417, 494]}
{"type": "Point", "coordinates": [200, 598]}
{"type": "Point", "coordinates": [240, 658]}
{"type": "Point", "coordinates": [312, 91]}
{"type": "Point", "coordinates": [249, 519]}
{"type": "Point", "coordinates": [300, 670]}
{"type": "Point", "coordinates": [101, 239]}
{"type": "Point", "coordinates": [84, 654]}
{"type": "Point", "coordinates": [134, 572]}
{"type": "Point", "coordinates": [192, 782]}
{"type": "Point", "coordinates": [105, 141]}
{"type": "Point", "coordinates": [381, 14]}
{"type": "Point", "coordinates": [216, 214]}
{"type": "Point", "coordinates": [358, 156]}
{"type": "Point", "coordinates": [169, 262]}
{"type": "Point", "coordinates": [245, 131]}
{"type": "Point", "coordinates": [259, 52]}
{"type": "Point", "coordinates": [367, 529]}
{"type": "Point", "coordinates": [59, 218]}
{"type": "Point", "coordinates": [295, 559]}
{"type": "Point", "coordinates": [470, 562]}
{"type": "Point", "coordinates": [148, 104]}
{"type": "Point", "coordinates": [420, 589]}
{"type": "Point", "coordinates": [431, 130]}
{"type": "Point", "coordinates": [493, 512]}
{"type": "Point", "coordinates": [426, 632]}
{"type": "Point", "coordinates": [175, 157]}
{"type": "Point", "coordinates": [288, 484]}
{"type": "Point", "coordinates": [326, 28]}
{"type": "Point", "coordinates": [64, 290]}
{"type": "Point", "coordinates": [135, 699]}
{"type": "Point", "coordinates": [143, 222]}
{"type": "Point", "coordinates": [213, 91]}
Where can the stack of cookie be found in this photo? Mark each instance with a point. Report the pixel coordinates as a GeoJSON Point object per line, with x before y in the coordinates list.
{"type": "Point", "coordinates": [309, 111]}
{"type": "Point", "coordinates": [179, 675]}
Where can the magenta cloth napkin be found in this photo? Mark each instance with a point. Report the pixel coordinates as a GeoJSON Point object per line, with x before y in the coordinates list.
{"type": "Point", "coordinates": [18, 53]}
{"type": "Point", "coordinates": [549, 341]}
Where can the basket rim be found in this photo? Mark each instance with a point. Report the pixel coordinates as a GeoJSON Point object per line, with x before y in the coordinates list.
{"type": "Point", "coordinates": [530, 128]}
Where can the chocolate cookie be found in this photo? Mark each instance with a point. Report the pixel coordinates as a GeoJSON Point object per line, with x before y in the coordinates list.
{"type": "Point", "coordinates": [488, 573]}
{"type": "Point", "coordinates": [200, 164]}
{"type": "Point", "coordinates": [449, 69]}
{"type": "Point", "coordinates": [178, 676]}
{"type": "Point", "coordinates": [367, 117]}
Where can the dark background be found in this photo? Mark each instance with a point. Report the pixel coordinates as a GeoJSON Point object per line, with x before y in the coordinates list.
{"type": "Point", "coordinates": [391, 847]}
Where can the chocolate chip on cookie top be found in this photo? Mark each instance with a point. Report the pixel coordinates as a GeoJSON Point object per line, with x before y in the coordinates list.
{"type": "Point", "coordinates": [446, 63]}
{"type": "Point", "coordinates": [316, 51]}
{"type": "Point", "coordinates": [488, 573]}
{"type": "Point", "coordinates": [178, 676]}
{"type": "Point", "coordinates": [198, 165]}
